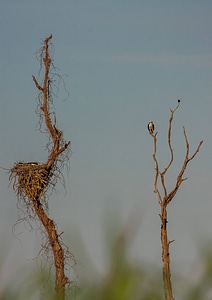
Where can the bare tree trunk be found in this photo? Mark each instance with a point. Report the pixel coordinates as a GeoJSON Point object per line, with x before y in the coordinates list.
{"type": "Point", "coordinates": [165, 255]}
{"type": "Point", "coordinates": [167, 197]}
{"type": "Point", "coordinates": [34, 179]}
{"type": "Point", "coordinates": [58, 147]}
{"type": "Point", "coordinates": [59, 259]}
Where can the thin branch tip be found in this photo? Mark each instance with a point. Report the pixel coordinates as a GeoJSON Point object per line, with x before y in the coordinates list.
{"type": "Point", "coordinates": [183, 179]}
{"type": "Point", "coordinates": [172, 241]}
{"type": "Point", "coordinates": [48, 38]}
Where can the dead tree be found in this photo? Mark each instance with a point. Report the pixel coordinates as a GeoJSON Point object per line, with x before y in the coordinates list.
{"type": "Point", "coordinates": [33, 179]}
{"type": "Point", "coordinates": [165, 197]}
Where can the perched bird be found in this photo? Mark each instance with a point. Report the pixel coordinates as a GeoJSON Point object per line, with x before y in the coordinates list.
{"type": "Point", "coordinates": [151, 127]}
{"type": "Point", "coordinates": [178, 100]}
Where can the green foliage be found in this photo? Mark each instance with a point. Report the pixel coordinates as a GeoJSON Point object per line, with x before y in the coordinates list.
{"type": "Point", "coordinates": [124, 280]}
{"type": "Point", "coordinates": [202, 287]}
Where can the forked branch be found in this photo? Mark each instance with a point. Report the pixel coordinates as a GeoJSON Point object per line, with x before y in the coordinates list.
{"type": "Point", "coordinates": [162, 174]}
{"type": "Point", "coordinates": [180, 178]}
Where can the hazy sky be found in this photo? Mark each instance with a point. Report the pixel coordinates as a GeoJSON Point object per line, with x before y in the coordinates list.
{"type": "Point", "coordinates": [127, 63]}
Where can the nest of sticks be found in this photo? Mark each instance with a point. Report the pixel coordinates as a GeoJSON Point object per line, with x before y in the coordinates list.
{"type": "Point", "coordinates": [31, 180]}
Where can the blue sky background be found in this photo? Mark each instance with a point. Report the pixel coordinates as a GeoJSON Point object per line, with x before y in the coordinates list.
{"type": "Point", "coordinates": [127, 63]}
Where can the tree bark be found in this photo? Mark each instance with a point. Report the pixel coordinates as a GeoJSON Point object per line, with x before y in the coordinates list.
{"type": "Point", "coordinates": [165, 255]}
{"type": "Point", "coordinates": [59, 258]}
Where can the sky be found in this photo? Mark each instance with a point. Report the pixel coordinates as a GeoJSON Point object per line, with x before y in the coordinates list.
{"type": "Point", "coordinates": [124, 63]}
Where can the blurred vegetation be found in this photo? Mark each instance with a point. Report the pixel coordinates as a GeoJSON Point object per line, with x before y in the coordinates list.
{"type": "Point", "coordinates": [125, 279]}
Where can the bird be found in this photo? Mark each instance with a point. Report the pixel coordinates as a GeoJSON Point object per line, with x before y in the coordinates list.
{"type": "Point", "coordinates": [178, 100]}
{"type": "Point", "coordinates": [151, 127]}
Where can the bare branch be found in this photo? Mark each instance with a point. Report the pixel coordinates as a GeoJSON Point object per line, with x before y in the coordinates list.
{"type": "Point", "coordinates": [187, 159]}
{"type": "Point", "coordinates": [172, 241]}
{"type": "Point", "coordinates": [169, 138]}
{"type": "Point", "coordinates": [187, 146]}
{"type": "Point", "coordinates": [156, 190]}
{"type": "Point", "coordinates": [37, 84]}
{"type": "Point", "coordinates": [56, 135]}
{"type": "Point", "coordinates": [162, 174]}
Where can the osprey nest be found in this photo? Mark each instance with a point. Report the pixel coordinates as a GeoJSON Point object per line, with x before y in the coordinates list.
{"type": "Point", "coordinates": [30, 180]}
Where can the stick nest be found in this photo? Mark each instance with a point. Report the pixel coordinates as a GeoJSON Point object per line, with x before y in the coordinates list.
{"type": "Point", "coordinates": [31, 180]}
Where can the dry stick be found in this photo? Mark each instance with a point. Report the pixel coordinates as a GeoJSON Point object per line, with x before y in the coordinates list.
{"type": "Point", "coordinates": [166, 198]}
{"type": "Point", "coordinates": [56, 135]}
